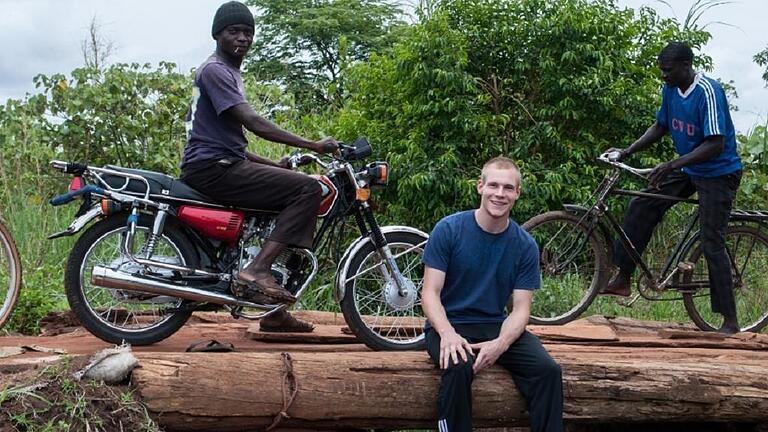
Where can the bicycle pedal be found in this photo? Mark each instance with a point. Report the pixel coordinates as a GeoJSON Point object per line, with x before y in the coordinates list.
{"type": "Point", "coordinates": [685, 267]}
{"type": "Point", "coordinates": [627, 302]}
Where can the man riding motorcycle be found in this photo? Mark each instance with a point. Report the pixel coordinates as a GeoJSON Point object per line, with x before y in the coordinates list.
{"type": "Point", "coordinates": [216, 162]}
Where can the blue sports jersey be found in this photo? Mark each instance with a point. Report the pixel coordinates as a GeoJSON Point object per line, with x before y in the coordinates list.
{"type": "Point", "coordinates": [481, 269]}
{"type": "Point", "coordinates": [691, 117]}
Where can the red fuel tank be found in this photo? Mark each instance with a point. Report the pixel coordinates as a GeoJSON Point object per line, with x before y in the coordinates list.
{"type": "Point", "coordinates": [222, 225]}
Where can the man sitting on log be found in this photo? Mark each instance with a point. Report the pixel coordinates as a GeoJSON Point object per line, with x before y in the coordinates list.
{"type": "Point", "coordinates": [474, 261]}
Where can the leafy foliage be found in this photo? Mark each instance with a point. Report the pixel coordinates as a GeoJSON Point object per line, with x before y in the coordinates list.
{"type": "Point", "coordinates": [305, 45]}
{"type": "Point", "coordinates": [754, 182]}
{"type": "Point", "coordinates": [550, 84]}
{"type": "Point", "coordinates": [761, 58]}
{"type": "Point", "coordinates": [126, 114]}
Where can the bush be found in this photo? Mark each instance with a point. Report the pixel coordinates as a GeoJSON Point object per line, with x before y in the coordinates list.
{"type": "Point", "coordinates": [550, 84]}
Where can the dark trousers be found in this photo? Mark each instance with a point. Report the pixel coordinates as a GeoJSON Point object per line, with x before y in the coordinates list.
{"type": "Point", "coordinates": [537, 376]}
{"type": "Point", "coordinates": [242, 183]}
{"type": "Point", "coordinates": [716, 195]}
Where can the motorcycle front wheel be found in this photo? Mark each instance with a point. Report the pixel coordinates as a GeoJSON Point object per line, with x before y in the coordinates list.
{"type": "Point", "coordinates": [119, 316]}
{"type": "Point", "coordinates": [376, 311]}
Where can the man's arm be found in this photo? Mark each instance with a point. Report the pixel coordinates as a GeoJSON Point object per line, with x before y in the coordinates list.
{"type": "Point", "coordinates": [652, 135]}
{"type": "Point", "coordinates": [452, 345]}
{"type": "Point", "coordinates": [709, 148]}
{"type": "Point", "coordinates": [511, 330]}
{"type": "Point", "coordinates": [245, 115]}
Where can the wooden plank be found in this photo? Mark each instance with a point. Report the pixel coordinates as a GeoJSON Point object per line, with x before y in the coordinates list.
{"type": "Point", "coordinates": [322, 334]}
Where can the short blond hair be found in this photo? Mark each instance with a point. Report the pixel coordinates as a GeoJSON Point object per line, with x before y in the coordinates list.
{"type": "Point", "coordinates": [503, 163]}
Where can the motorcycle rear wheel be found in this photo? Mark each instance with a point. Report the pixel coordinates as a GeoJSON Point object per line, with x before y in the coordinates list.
{"type": "Point", "coordinates": [119, 316]}
{"type": "Point", "coordinates": [372, 309]}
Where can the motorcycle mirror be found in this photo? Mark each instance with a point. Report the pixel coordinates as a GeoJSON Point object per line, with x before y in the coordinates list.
{"type": "Point", "coordinates": [359, 150]}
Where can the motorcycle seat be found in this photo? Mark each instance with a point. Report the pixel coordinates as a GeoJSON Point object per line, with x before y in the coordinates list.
{"type": "Point", "coordinates": [160, 185]}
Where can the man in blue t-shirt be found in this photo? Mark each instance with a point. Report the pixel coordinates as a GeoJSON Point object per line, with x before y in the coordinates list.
{"type": "Point", "coordinates": [474, 261]}
{"type": "Point", "coordinates": [694, 111]}
{"type": "Point", "coordinates": [216, 162]}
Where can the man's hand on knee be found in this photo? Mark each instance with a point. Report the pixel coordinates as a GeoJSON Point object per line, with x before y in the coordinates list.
{"type": "Point", "coordinates": [453, 346]}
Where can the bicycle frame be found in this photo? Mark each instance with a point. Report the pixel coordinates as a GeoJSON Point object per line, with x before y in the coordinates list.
{"type": "Point", "coordinates": [599, 210]}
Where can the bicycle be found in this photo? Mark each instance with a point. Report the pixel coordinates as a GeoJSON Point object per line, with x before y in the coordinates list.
{"type": "Point", "coordinates": [575, 246]}
{"type": "Point", "coordinates": [10, 274]}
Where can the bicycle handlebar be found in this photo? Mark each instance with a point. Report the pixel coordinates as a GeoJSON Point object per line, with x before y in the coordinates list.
{"type": "Point", "coordinates": [610, 158]}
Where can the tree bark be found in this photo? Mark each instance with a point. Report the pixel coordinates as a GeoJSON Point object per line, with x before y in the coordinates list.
{"type": "Point", "coordinates": [244, 391]}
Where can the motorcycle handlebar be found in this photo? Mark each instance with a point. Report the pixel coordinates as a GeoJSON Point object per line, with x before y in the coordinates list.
{"type": "Point", "coordinates": [69, 167]}
{"type": "Point", "coordinates": [69, 196]}
{"type": "Point", "coordinates": [359, 150]}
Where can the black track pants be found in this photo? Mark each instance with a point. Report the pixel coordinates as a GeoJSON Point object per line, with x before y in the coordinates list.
{"type": "Point", "coordinates": [716, 195]}
{"type": "Point", "coordinates": [537, 376]}
{"type": "Point", "coordinates": [294, 196]}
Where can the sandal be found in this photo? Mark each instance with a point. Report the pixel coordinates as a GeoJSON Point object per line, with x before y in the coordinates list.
{"type": "Point", "coordinates": [210, 345]}
{"type": "Point", "coordinates": [263, 291]}
{"type": "Point", "coordinates": [283, 322]}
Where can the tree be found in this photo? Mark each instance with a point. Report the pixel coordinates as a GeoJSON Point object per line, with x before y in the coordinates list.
{"type": "Point", "coordinates": [550, 84]}
{"type": "Point", "coordinates": [304, 45]}
{"type": "Point", "coordinates": [95, 47]}
{"type": "Point", "coordinates": [761, 59]}
{"type": "Point", "coordinates": [127, 114]}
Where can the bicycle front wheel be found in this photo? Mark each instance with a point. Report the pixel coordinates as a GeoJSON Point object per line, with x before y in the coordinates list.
{"type": "Point", "coordinates": [572, 260]}
{"type": "Point", "coordinates": [748, 251]}
{"type": "Point", "coordinates": [10, 274]}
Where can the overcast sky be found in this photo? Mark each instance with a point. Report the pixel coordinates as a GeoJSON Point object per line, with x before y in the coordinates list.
{"type": "Point", "coordinates": [44, 36]}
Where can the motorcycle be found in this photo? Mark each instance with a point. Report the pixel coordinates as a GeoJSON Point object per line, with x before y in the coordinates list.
{"type": "Point", "coordinates": [156, 250]}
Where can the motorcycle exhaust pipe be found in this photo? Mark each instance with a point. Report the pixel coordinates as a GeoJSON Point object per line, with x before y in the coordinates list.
{"type": "Point", "coordinates": [108, 278]}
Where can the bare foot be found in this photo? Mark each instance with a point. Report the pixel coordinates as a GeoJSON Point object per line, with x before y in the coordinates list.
{"type": "Point", "coordinates": [619, 285]}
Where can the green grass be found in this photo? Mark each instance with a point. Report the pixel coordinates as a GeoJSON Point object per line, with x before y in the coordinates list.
{"type": "Point", "coordinates": [50, 400]}
{"type": "Point", "coordinates": [24, 208]}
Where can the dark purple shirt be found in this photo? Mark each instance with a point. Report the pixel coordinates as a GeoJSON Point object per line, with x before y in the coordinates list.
{"type": "Point", "coordinates": [211, 136]}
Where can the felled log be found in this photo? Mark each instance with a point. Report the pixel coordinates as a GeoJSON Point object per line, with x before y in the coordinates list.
{"type": "Point", "coordinates": [244, 391]}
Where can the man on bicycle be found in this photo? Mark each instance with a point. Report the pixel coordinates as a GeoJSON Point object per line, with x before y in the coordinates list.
{"type": "Point", "coordinates": [216, 162]}
{"type": "Point", "coordinates": [694, 111]}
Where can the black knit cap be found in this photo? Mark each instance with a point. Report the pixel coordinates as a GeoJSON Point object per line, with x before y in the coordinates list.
{"type": "Point", "coordinates": [231, 13]}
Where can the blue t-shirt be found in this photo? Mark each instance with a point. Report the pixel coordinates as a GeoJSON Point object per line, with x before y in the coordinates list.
{"type": "Point", "coordinates": [218, 87]}
{"type": "Point", "coordinates": [691, 117]}
{"type": "Point", "coordinates": [481, 269]}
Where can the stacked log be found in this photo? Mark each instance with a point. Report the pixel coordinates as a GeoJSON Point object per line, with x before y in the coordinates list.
{"type": "Point", "coordinates": [246, 391]}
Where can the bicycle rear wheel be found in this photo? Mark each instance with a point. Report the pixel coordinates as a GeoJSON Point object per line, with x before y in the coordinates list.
{"type": "Point", "coordinates": [748, 250]}
{"type": "Point", "coordinates": [10, 274]}
{"type": "Point", "coordinates": [572, 259]}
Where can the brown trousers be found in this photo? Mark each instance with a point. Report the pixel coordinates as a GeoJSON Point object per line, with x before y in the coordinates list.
{"type": "Point", "coordinates": [295, 197]}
